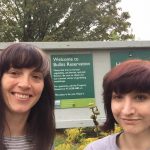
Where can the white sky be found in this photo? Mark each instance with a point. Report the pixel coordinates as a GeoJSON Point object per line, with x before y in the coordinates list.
{"type": "Point", "coordinates": [139, 11]}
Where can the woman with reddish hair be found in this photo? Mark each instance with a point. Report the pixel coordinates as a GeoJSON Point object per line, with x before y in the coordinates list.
{"type": "Point", "coordinates": [126, 95]}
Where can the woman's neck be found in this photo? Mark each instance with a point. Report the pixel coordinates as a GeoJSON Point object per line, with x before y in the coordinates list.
{"type": "Point", "coordinates": [134, 142]}
{"type": "Point", "coordinates": [15, 124]}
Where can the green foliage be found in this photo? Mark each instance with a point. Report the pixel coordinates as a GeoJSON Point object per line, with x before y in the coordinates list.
{"type": "Point", "coordinates": [63, 20]}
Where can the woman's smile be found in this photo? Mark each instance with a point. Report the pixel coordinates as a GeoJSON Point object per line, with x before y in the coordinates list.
{"type": "Point", "coordinates": [130, 121]}
{"type": "Point", "coordinates": [21, 95]}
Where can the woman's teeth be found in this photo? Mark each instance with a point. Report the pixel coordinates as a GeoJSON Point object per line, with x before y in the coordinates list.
{"type": "Point", "coordinates": [22, 96]}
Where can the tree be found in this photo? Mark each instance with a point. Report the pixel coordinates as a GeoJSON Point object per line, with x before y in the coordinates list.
{"type": "Point", "coordinates": [63, 20]}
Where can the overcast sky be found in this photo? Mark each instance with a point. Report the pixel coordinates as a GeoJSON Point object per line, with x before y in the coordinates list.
{"type": "Point", "coordinates": [139, 11]}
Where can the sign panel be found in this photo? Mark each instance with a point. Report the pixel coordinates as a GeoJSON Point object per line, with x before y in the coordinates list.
{"type": "Point", "coordinates": [73, 80]}
{"type": "Point", "coordinates": [119, 56]}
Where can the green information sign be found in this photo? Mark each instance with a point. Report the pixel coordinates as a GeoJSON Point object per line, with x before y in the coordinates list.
{"type": "Point", "coordinates": [73, 80]}
{"type": "Point", "coordinates": [119, 56]}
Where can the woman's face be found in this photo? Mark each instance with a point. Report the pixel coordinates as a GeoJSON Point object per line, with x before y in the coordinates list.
{"type": "Point", "coordinates": [21, 89]}
{"type": "Point", "coordinates": [132, 111]}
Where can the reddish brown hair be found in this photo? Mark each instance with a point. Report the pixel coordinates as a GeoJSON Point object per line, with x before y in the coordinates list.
{"type": "Point", "coordinates": [130, 75]}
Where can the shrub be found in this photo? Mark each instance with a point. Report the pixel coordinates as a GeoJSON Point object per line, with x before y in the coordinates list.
{"type": "Point", "coordinates": [78, 138]}
{"type": "Point", "coordinates": [74, 135]}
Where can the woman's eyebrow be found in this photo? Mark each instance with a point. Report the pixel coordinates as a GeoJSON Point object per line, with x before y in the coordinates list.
{"type": "Point", "coordinates": [38, 71]}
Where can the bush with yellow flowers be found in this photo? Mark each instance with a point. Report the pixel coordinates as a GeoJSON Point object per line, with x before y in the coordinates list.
{"type": "Point", "coordinates": [77, 138]}
{"type": "Point", "coordinates": [73, 138]}
{"type": "Point", "coordinates": [74, 135]}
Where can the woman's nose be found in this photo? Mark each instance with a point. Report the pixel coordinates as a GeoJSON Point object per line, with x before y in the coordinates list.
{"type": "Point", "coordinates": [128, 106]}
{"type": "Point", "coordinates": [24, 83]}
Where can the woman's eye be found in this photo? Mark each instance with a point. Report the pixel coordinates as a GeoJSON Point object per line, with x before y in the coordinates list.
{"type": "Point", "coordinates": [38, 77]}
{"type": "Point", "coordinates": [117, 96]}
{"type": "Point", "coordinates": [141, 97]}
{"type": "Point", "coordinates": [13, 72]}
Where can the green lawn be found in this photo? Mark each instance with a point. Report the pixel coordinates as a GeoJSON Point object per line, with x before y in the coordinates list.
{"type": "Point", "coordinates": [60, 137]}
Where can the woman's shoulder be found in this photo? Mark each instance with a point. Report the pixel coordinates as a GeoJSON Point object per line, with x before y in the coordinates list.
{"type": "Point", "coordinates": [106, 143]}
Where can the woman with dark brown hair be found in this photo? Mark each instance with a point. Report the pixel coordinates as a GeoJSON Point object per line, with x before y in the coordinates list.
{"type": "Point", "coordinates": [27, 119]}
{"type": "Point", "coordinates": [126, 94]}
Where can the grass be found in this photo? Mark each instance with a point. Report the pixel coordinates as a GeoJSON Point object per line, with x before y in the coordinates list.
{"type": "Point", "coordinates": [60, 137]}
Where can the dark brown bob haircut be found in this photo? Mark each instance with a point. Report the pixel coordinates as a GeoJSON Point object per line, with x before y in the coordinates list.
{"type": "Point", "coordinates": [41, 120]}
{"type": "Point", "coordinates": [130, 75]}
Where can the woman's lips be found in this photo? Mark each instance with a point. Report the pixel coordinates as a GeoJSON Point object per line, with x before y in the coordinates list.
{"type": "Point", "coordinates": [130, 121]}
